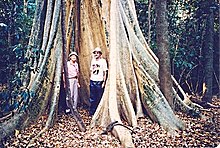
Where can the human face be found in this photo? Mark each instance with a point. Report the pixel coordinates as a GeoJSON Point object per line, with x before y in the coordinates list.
{"type": "Point", "coordinates": [73, 58]}
{"type": "Point", "coordinates": [97, 54]}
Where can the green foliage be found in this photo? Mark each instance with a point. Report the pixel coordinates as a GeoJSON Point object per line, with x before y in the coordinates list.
{"type": "Point", "coordinates": [13, 99]}
{"type": "Point", "coordinates": [15, 26]}
{"type": "Point", "coordinates": [142, 14]}
{"type": "Point", "coordinates": [188, 41]}
{"type": "Point", "coordinates": [187, 25]}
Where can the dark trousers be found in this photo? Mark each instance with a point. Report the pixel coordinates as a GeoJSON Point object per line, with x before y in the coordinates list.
{"type": "Point", "coordinates": [96, 92]}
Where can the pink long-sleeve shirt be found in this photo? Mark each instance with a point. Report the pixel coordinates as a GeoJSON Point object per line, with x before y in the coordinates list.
{"type": "Point", "coordinates": [73, 69]}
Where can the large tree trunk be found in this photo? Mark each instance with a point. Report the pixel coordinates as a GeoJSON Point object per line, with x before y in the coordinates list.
{"type": "Point", "coordinates": [44, 86]}
{"type": "Point", "coordinates": [133, 69]}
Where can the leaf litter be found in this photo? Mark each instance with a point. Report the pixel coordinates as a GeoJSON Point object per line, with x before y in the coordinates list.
{"type": "Point", "coordinates": [199, 132]}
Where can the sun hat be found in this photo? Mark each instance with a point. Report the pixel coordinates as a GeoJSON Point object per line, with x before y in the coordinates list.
{"type": "Point", "coordinates": [73, 53]}
{"type": "Point", "coordinates": [97, 49]}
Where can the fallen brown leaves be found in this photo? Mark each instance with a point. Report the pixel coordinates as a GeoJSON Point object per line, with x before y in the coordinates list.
{"type": "Point", "coordinates": [199, 132]}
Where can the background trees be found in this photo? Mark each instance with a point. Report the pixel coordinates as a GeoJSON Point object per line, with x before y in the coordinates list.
{"type": "Point", "coordinates": [188, 32]}
{"type": "Point", "coordinates": [15, 26]}
{"type": "Point", "coordinates": [133, 67]}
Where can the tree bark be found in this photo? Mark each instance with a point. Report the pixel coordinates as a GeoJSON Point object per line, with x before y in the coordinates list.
{"type": "Point", "coordinates": [208, 53]}
{"type": "Point", "coordinates": [69, 102]}
{"type": "Point", "coordinates": [163, 51]}
{"type": "Point", "coordinates": [44, 85]}
{"type": "Point", "coordinates": [149, 22]}
{"type": "Point", "coordinates": [133, 69]}
{"type": "Point", "coordinates": [34, 43]}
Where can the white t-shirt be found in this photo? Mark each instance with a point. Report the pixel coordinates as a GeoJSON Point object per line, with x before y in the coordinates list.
{"type": "Point", "coordinates": [98, 67]}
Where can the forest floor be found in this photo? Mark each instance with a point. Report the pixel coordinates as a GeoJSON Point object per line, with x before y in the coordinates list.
{"type": "Point", "coordinates": [199, 132]}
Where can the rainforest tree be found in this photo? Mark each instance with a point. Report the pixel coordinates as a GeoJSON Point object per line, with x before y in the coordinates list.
{"type": "Point", "coordinates": [163, 51]}
{"type": "Point", "coordinates": [132, 85]}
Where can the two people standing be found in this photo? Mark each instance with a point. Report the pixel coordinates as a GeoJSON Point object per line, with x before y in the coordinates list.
{"type": "Point", "coordinates": [98, 76]}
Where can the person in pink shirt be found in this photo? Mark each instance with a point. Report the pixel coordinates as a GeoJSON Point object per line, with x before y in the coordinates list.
{"type": "Point", "coordinates": [72, 76]}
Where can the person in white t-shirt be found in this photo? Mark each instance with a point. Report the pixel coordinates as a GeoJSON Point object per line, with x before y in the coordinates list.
{"type": "Point", "coordinates": [98, 77]}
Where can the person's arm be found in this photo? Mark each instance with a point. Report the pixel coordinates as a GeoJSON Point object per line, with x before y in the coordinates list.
{"type": "Point", "coordinates": [104, 78]}
{"type": "Point", "coordinates": [105, 73]}
{"type": "Point", "coordinates": [64, 76]}
{"type": "Point", "coordinates": [91, 70]}
{"type": "Point", "coordinates": [78, 84]}
{"type": "Point", "coordinates": [64, 82]}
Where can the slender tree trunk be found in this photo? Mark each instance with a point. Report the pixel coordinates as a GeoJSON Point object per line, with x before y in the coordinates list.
{"type": "Point", "coordinates": [218, 56]}
{"type": "Point", "coordinates": [69, 24]}
{"type": "Point", "coordinates": [149, 22]}
{"type": "Point", "coordinates": [25, 9]}
{"type": "Point", "coordinates": [35, 41]}
{"type": "Point", "coordinates": [163, 51]}
{"type": "Point", "coordinates": [208, 53]}
{"type": "Point", "coordinates": [77, 25]}
{"type": "Point", "coordinates": [11, 19]}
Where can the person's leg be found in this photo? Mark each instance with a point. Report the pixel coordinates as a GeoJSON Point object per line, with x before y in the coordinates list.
{"type": "Point", "coordinates": [96, 92]}
{"type": "Point", "coordinates": [70, 98]}
{"type": "Point", "coordinates": [75, 93]}
{"type": "Point", "coordinates": [92, 98]}
{"type": "Point", "coordinates": [99, 93]}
